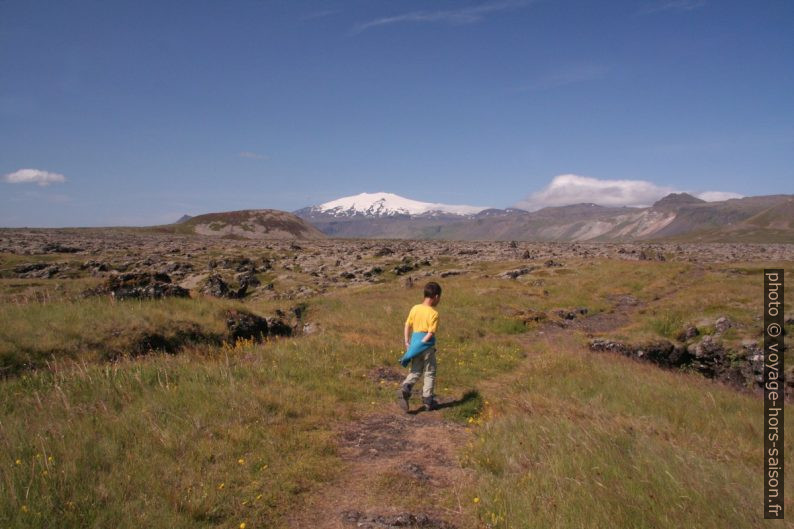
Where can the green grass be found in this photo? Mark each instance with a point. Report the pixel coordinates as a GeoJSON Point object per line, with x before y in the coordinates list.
{"type": "Point", "coordinates": [601, 441]}
{"type": "Point", "coordinates": [213, 436]}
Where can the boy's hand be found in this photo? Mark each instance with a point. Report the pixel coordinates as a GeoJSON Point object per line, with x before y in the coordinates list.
{"type": "Point", "coordinates": [407, 344]}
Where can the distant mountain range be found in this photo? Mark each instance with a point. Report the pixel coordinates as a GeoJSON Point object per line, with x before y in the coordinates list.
{"type": "Point", "coordinates": [678, 216]}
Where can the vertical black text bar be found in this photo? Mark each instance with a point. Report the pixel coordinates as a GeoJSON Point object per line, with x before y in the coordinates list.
{"type": "Point", "coordinates": [773, 394]}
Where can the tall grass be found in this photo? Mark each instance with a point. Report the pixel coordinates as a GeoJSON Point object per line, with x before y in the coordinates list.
{"type": "Point", "coordinates": [591, 441]}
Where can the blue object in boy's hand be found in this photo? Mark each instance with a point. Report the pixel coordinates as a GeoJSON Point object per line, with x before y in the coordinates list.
{"type": "Point", "coordinates": [417, 347]}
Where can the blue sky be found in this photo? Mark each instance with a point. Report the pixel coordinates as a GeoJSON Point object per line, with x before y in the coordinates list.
{"type": "Point", "coordinates": [134, 113]}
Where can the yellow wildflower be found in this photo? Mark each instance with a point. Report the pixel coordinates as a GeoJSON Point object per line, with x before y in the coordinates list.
{"type": "Point", "coordinates": [24, 508]}
{"type": "Point", "coordinates": [18, 461]}
{"type": "Point", "coordinates": [240, 461]}
{"type": "Point", "coordinates": [242, 525]}
{"type": "Point", "coordinates": [221, 486]}
{"type": "Point", "coordinates": [476, 500]}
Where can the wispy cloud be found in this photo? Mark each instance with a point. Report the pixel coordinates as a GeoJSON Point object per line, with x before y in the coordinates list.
{"type": "Point", "coordinates": [569, 189]}
{"type": "Point", "coordinates": [670, 5]}
{"type": "Point", "coordinates": [33, 176]}
{"type": "Point", "coordinates": [572, 74]}
{"type": "Point", "coordinates": [463, 15]}
{"type": "Point", "coordinates": [252, 155]}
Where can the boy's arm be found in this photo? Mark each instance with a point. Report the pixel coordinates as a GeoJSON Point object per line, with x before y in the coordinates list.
{"type": "Point", "coordinates": [408, 328]}
{"type": "Point", "coordinates": [428, 337]}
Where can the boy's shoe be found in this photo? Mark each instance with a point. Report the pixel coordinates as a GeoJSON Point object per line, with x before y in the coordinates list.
{"type": "Point", "coordinates": [403, 395]}
{"type": "Point", "coordinates": [430, 403]}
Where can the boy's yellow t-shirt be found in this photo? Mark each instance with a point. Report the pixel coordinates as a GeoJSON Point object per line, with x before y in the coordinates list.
{"type": "Point", "coordinates": [423, 318]}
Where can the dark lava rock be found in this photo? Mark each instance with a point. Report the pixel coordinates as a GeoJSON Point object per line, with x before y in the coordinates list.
{"type": "Point", "coordinates": [383, 252]}
{"type": "Point", "coordinates": [565, 314]}
{"type": "Point", "coordinates": [139, 285]}
{"type": "Point", "coordinates": [248, 279]}
{"type": "Point", "coordinates": [513, 274]}
{"type": "Point", "coordinates": [403, 268]}
{"type": "Point", "coordinates": [31, 267]}
{"type": "Point", "coordinates": [741, 368]}
{"type": "Point", "coordinates": [277, 327]}
{"type": "Point", "coordinates": [249, 326]}
{"type": "Point", "coordinates": [217, 287]}
{"type": "Point", "coordinates": [40, 270]}
{"type": "Point", "coordinates": [245, 326]}
{"type": "Point", "coordinates": [53, 247]}
{"type": "Point", "coordinates": [238, 264]}
{"type": "Point", "coordinates": [661, 352]}
{"type": "Point", "coordinates": [571, 314]}
{"type": "Point", "coordinates": [551, 263]}
{"type": "Point", "coordinates": [448, 273]}
{"type": "Point", "coordinates": [375, 270]}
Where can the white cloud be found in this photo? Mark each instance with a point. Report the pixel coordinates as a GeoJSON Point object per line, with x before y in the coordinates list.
{"type": "Point", "coordinates": [716, 196]}
{"type": "Point", "coordinates": [569, 189]}
{"type": "Point", "coordinates": [464, 15]}
{"type": "Point", "coordinates": [33, 176]}
{"type": "Point", "coordinates": [252, 155]}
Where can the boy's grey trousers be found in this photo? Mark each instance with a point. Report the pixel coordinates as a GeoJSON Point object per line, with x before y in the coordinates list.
{"type": "Point", "coordinates": [425, 362]}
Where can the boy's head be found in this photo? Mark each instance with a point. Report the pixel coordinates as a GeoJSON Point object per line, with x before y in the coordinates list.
{"type": "Point", "coordinates": [433, 293]}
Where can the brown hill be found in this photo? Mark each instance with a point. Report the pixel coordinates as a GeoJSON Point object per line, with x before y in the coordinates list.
{"type": "Point", "coordinates": [247, 224]}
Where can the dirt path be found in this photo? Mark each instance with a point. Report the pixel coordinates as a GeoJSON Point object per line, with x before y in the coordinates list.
{"type": "Point", "coordinates": [401, 470]}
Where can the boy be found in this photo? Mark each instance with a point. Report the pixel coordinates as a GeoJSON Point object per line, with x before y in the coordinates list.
{"type": "Point", "coordinates": [420, 330]}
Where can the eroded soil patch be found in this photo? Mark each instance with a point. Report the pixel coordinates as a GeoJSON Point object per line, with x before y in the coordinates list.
{"type": "Point", "coordinates": [401, 470]}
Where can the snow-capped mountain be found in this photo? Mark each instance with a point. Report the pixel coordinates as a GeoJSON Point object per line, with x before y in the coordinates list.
{"type": "Point", "coordinates": [388, 205]}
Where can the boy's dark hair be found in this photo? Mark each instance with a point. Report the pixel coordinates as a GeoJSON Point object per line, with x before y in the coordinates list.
{"type": "Point", "coordinates": [432, 289]}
